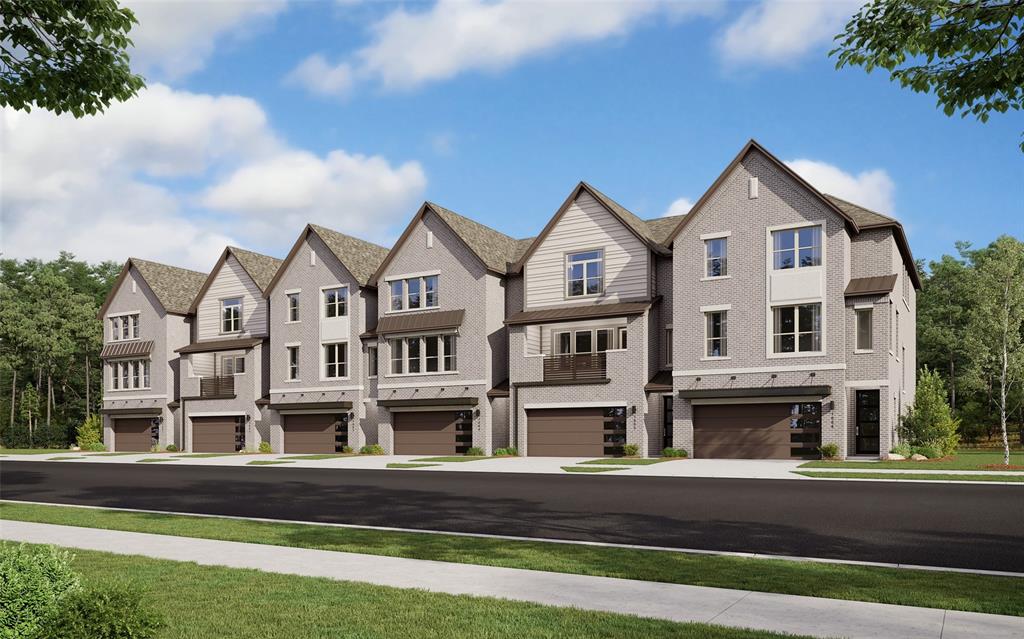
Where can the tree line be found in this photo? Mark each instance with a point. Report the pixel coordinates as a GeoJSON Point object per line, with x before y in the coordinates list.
{"type": "Point", "coordinates": [970, 327]}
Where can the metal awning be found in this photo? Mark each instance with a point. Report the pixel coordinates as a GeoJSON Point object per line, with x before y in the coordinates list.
{"type": "Point", "coordinates": [763, 391]}
{"type": "Point", "coordinates": [566, 313]}
{"type": "Point", "coordinates": [870, 285]}
{"type": "Point", "coordinates": [126, 349]}
{"type": "Point", "coordinates": [325, 406]}
{"type": "Point", "coordinates": [151, 411]}
{"type": "Point", "coordinates": [420, 322]}
{"type": "Point", "coordinates": [437, 401]}
{"type": "Point", "coordinates": [221, 345]}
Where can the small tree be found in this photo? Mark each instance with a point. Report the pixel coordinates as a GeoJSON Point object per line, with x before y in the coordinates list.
{"type": "Point", "coordinates": [929, 422]}
{"type": "Point", "coordinates": [90, 434]}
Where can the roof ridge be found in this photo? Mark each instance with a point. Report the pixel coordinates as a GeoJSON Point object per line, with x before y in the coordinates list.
{"type": "Point", "coordinates": [320, 227]}
{"type": "Point", "coordinates": [860, 206]}
{"type": "Point", "coordinates": [468, 219]}
{"type": "Point", "coordinates": [166, 265]}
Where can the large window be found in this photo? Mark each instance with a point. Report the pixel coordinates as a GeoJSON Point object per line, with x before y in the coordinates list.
{"type": "Point", "coordinates": [132, 374]}
{"type": "Point", "coordinates": [336, 302]}
{"type": "Point", "coordinates": [797, 248]}
{"type": "Point", "coordinates": [797, 329]}
{"type": "Point", "coordinates": [864, 329]}
{"type": "Point", "coordinates": [426, 354]}
{"type": "Point", "coordinates": [715, 334]}
{"type": "Point", "coordinates": [293, 363]}
{"type": "Point", "coordinates": [584, 273]}
{"type": "Point", "coordinates": [232, 364]}
{"type": "Point", "coordinates": [124, 327]}
{"type": "Point", "coordinates": [335, 360]}
{"type": "Point", "coordinates": [414, 293]}
{"type": "Point", "coordinates": [293, 307]}
{"type": "Point", "coordinates": [231, 315]}
{"type": "Point", "coordinates": [590, 340]}
{"type": "Point", "coordinates": [715, 257]}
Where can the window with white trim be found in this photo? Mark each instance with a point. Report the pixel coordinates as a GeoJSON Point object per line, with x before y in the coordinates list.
{"type": "Point", "coordinates": [293, 307]}
{"type": "Point", "coordinates": [371, 361]}
{"type": "Point", "coordinates": [124, 327]}
{"type": "Point", "coordinates": [796, 329]}
{"type": "Point", "coordinates": [336, 360]}
{"type": "Point", "coordinates": [715, 257]}
{"type": "Point", "coordinates": [129, 374]}
{"type": "Point", "coordinates": [293, 363]}
{"type": "Point", "coordinates": [715, 337]}
{"type": "Point", "coordinates": [397, 348]}
{"type": "Point", "coordinates": [589, 340]}
{"type": "Point", "coordinates": [414, 293]}
{"type": "Point", "coordinates": [796, 248]}
{"type": "Point", "coordinates": [232, 364]}
{"type": "Point", "coordinates": [335, 302]}
{"type": "Point", "coordinates": [584, 273]}
{"type": "Point", "coordinates": [423, 354]}
{"type": "Point", "coordinates": [668, 348]}
{"type": "Point", "coordinates": [231, 315]}
{"type": "Point", "coordinates": [865, 338]}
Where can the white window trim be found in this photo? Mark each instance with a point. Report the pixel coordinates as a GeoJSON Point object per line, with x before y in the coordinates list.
{"type": "Point", "coordinates": [233, 367]}
{"type": "Point", "coordinates": [287, 305]}
{"type": "Point", "coordinates": [856, 328]}
{"type": "Point", "coordinates": [715, 236]}
{"type": "Point", "coordinates": [109, 331]}
{"type": "Point", "coordinates": [406, 276]}
{"type": "Point", "coordinates": [715, 307]}
{"type": "Point", "coordinates": [369, 359]}
{"type": "Point", "coordinates": [790, 227]}
{"type": "Point", "coordinates": [720, 308]}
{"type": "Point", "coordinates": [769, 307]}
{"type": "Point", "coordinates": [565, 273]}
{"type": "Point", "coordinates": [241, 314]}
{"type": "Point", "coordinates": [115, 365]}
{"type": "Point", "coordinates": [288, 362]}
{"type": "Point", "coordinates": [423, 356]}
{"type": "Point", "coordinates": [715, 278]}
{"type": "Point", "coordinates": [323, 361]}
{"type": "Point", "coordinates": [323, 303]}
{"type": "Point", "coordinates": [704, 255]}
{"type": "Point", "coordinates": [422, 276]}
{"type": "Point", "coordinates": [771, 354]}
{"type": "Point", "coordinates": [616, 337]}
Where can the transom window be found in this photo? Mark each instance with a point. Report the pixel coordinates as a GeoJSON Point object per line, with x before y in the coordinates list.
{"type": "Point", "coordinates": [414, 293]}
{"type": "Point", "coordinates": [797, 248]}
{"type": "Point", "coordinates": [293, 307]}
{"type": "Point", "coordinates": [123, 327]}
{"type": "Point", "coordinates": [591, 340]}
{"type": "Point", "coordinates": [335, 360]}
{"type": "Point", "coordinates": [336, 302]}
{"type": "Point", "coordinates": [864, 336]}
{"type": "Point", "coordinates": [231, 315]}
{"type": "Point", "coordinates": [715, 257]}
{"type": "Point", "coordinates": [131, 374]}
{"type": "Point", "coordinates": [584, 273]}
{"type": "Point", "coordinates": [715, 334]}
{"type": "Point", "coordinates": [424, 354]}
{"type": "Point", "coordinates": [797, 329]}
{"type": "Point", "coordinates": [293, 363]}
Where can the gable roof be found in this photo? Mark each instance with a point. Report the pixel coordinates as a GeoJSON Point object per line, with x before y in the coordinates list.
{"type": "Point", "coordinates": [634, 224]}
{"type": "Point", "coordinates": [360, 257]}
{"type": "Point", "coordinates": [174, 287]}
{"type": "Point", "coordinates": [260, 269]}
{"type": "Point", "coordinates": [494, 249]}
{"type": "Point", "coordinates": [868, 219]}
{"type": "Point", "coordinates": [660, 227]}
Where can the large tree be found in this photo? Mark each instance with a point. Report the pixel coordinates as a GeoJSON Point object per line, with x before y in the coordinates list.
{"type": "Point", "coordinates": [968, 52]}
{"type": "Point", "coordinates": [65, 55]}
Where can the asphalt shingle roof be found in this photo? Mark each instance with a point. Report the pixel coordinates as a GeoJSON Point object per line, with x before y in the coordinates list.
{"type": "Point", "coordinates": [659, 228]}
{"type": "Point", "coordinates": [175, 287]}
{"type": "Point", "coordinates": [859, 214]}
{"type": "Point", "coordinates": [628, 218]}
{"type": "Point", "coordinates": [360, 257]}
{"type": "Point", "coordinates": [261, 268]}
{"type": "Point", "coordinates": [495, 249]}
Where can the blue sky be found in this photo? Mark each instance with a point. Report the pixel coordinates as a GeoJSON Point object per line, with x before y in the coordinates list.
{"type": "Point", "coordinates": [262, 116]}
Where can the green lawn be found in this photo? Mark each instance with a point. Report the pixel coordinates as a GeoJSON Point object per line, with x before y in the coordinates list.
{"type": "Point", "coordinates": [150, 460]}
{"type": "Point", "coordinates": [267, 462]}
{"type": "Point", "coordinates": [249, 604]}
{"type": "Point", "coordinates": [401, 465]}
{"type": "Point", "coordinates": [453, 458]}
{"type": "Point", "coordinates": [33, 451]}
{"type": "Point", "coordinates": [112, 454]}
{"type": "Point", "coordinates": [590, 469]}
{"type": "Point", "coordinates": [203, 455]}
{"type": "Point", "coordinates": [315, 457]}
{"type": "Point", "coordinates": [899, 476]}
{"type": "Point", "coordinates": [63, 458]}
{"type": "Point", "coordinates": [630, 461]}
{"type": "Point", "coordinates": [932, 589]}
{"type": "Point", "coordinates": [963, 460]}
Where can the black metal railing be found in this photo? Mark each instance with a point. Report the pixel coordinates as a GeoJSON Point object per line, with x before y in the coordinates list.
{"type": "Point", "coordinates": [572, 368]}
{"type": "Point", "coordinates": [222, 386]}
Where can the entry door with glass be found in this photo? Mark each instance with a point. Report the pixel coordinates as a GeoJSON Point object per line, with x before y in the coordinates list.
{"type": "Point", "coordinates": [867, 422]}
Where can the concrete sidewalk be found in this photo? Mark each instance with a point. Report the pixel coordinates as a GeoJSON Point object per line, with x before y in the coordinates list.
{"type": "Point", "coordinates": [736, 608]}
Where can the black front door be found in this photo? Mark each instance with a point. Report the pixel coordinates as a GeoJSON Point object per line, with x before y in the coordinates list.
{"type": "Point", "coordinates": [867, 422]}
{"type": "Point", "coordinates": [666, 425]}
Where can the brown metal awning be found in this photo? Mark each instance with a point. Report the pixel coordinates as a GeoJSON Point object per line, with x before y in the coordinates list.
{"type": "Point", "coordinates": [325, 406]}
{"type": "Point", "coordinates": [500, 390]}
{"type": "Point", "coordinates": [369, 334]}
{"type": "Point", "coordinates": [418, 322]}
{"type": "Point", "coordinates": [437, 401]}
{"type": "Point", "coordinates": [220, 345]}
{"type": "Point", "coordinates": [870, 285]}
{"type": "Point", "coordinates": [126, 349]}
{"type": "Point", "coordinates": [766, 391]}
{"type": "Point", "coordinates": [661, 382]}
{"type": "Point", "coordinates": [564, 313]}
{"type": "Point", "coordinates": [132, 411]}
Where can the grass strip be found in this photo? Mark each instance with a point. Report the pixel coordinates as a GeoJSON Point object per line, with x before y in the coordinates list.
{"type": "Point", "coordinates": [986, 461]}
{"type": "Point", "coordinates": [589, 469]}
{"type": "Point", "coordinates": [315, 457]}
{"type": "Point", "coordinates": [931, 589]}
{"type": "Point", "coordinates": [914, 476]}
{"type": "Point", "coordinates": [267, 462]}
{"type": "Point", "coordinates": [404, 465]}
{"type": "Point", "coordinates": [63, 458]}
{"type": "Point", "coordinates": [453, 458]}
{"type": "Point", "coordinates": [629, 461]}
{"type": "Point", "coordinates": [203, 455]}
{"type": "Point", "coordinates": [32, 451]}
{"type": "Point", "coordinates": [113, 454]}
{"type": "Point", "coordinates": [153, 460]}
{"type": "Point", "coordinates": [247, 604]}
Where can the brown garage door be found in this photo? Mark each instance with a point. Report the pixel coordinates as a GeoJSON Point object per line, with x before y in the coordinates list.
{"type": "Point", "coordinates": [756, 431]}
{"type": "Point", "coordinates": [324, 433]}
{"type": "Point", "coordinates": [135, 434]}
{"type": "Point", "coordinates": [433, 432]}
{"type": "Point", "coordinates": [216, 434]}
{"type": "Point", "coordinates": [575, 432]}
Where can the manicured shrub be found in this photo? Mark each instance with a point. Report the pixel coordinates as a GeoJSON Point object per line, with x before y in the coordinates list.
{"type": "Point", "coordinates": [115, 612]}
{"type": "Point", "coordinates": [474, 451]}
{"type": "Point", "coordinates": [630, 450]}
{"type": "Point", "coordinates": [931, 452]}
{"type": "Point", "coordinates": [674, 452]}
{"type": "Point", "coordinates": [929, 422]}
{"type": "Point", "coordinates": [372, 449]}
{"type": "Point", "coordinates": [346, 449]}
{"type": "Point", "coordinates": [171, 448]}
{"type": "Point", "coordinates": [265, 447]}
{"type": "Point", "coordinates": [829, 451]}
{"type": "Point", "coordinates": [506, 452]}
{"type": "Point", "coordinates": [34, 582]}
{"type": "Point", "coordinates": [902, 448]}
{"type": "Point", "coordinates": [90, 433]}
{"type": "Point", "coordinates": [98, 447]}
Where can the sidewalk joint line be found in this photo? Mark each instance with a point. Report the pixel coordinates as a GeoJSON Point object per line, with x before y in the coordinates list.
{"type": "Point", "coordinates": [729, 607]}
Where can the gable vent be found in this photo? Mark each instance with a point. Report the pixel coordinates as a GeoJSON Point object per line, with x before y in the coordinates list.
{"type": "Point", "coordinates": [752, 188]}
{"type": "Point", "coordinates": [312, 257]}
{"type": "Point", "coordinates": [430, 239]}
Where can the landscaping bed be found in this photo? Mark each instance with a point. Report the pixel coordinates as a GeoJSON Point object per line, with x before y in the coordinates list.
{"type": "Point", "coordinates": [962, 460]}
{"type": "Point", "coordinates": [910, 475]}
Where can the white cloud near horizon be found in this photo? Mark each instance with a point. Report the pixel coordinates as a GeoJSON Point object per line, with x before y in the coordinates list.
{"type": "Point", "coordinates": [213, 172]}
{"type": "Point", "coordinates": [780, 32]}
{"type": "Point", "coordinates": [873, 189]}
{"type": "Point", "coordinates": [679, 206]}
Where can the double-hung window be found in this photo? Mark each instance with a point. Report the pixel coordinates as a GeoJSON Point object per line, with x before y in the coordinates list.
{"type": "Point", "coordinates": [293, 363]}
{"type": "Point", "coordinates": [123, 327]}
{"type": "Point", "coordinates": [716, 257]}
{"type": "Point", "coordinates": [371, 361]}
{"type": "Point", "coordinates": [797, 329]}
{"type": "Point", "coordinates": [716, 323]}
{"type": "Point", "coordinates": [414, 293]}
{"type": "Point", "coordinates": [293, 307]}
{"type": "Point", "coordinates": [336, 302]}
{"type": "Point", "coordinates": [584, 274]}
{"type": "Point", "coordinates": [397, 356]}
{"type": "Point", "coordinates": [231, 315]}
{"type": "Point", "coordinates": [129, 374]}
{"type": "Point", "coordinates": [335, 360]}
{"type": "Point", "coordinates": [397, 295]}
{"type": "Point", "coordinates": [796, 248]}
{"type": "Point", "coordinates": [426, 354]}
{"type": "Point", "coordinates": [430, 291]}
{"type": "Point", "coordinates": [864, 332]}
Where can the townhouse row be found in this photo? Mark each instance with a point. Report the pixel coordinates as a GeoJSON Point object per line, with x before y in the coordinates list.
{"type": "Point", "coordinates": [770, 319]}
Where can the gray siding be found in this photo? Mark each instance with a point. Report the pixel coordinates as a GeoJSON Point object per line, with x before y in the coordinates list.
{"type": "Point", "coordinates": [232, 281]}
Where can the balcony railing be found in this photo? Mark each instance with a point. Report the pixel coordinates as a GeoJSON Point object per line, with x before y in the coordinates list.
{"type": "Point", "coordinates": [574, 368]}
{"type": "Point", "coordinates": [221, 386]}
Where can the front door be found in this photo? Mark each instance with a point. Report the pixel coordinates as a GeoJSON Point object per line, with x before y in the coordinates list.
{"type": "Point", "coordinates": [867, 422]}
{"type": "Point", "coordinates": [667, 421]}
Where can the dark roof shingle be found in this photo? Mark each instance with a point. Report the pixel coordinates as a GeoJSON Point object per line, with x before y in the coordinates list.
{"type": "Point", "coordinates": [495, 249]}
{"type": "Point", "coordinates": [261, 268]}
{"type": "Point", "coordinates": [175, 287]}
{"type": "Point", "coordinates": [862, 216]}
{"type": "Point", "coordinates": [360, 257]}
{"type": "Point", "coordinates": [660, 228]}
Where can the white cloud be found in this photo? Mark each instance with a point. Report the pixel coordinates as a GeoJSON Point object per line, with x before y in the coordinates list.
{"type": "Point", "coordinates": [321, 78]}
{"type": "Point", "coordinates": [872, 189]}
{"type": "Point", "coordinates": [174, 38]}
{"type": "Point", "coordinates": [680, 206]}
{"type": "Point", "coordinates": [212, 172]}
{"type": "Point", "coordinates": [780, 31]}
{"type": "Point", "coordinates": [409, 49]}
